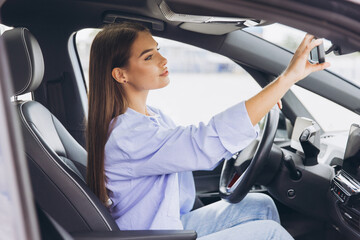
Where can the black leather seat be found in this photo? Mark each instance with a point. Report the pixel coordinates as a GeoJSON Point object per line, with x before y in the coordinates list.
{"type": "Point", "coordinates": [57, 163]}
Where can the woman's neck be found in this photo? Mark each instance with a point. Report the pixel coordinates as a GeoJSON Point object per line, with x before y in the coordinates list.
{"type": "Point", "coordinates": [137, 102]}
{"type": "Point", "coordinates": [140, 109]}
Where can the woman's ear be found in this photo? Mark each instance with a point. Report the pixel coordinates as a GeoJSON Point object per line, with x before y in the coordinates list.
{"type": "Point", "coordinates": [119, 75]}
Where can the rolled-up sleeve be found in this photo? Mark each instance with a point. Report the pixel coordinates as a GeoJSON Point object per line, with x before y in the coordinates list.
{"type": "Point", "coordinates": [148, 147]}
{"type": "Point", "coordinates": [235, 128]}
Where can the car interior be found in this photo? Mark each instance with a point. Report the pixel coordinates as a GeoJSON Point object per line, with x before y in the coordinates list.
{"type": "Point", "coordinates": [315, 200]}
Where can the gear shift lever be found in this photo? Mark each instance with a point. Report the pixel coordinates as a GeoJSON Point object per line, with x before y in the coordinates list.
{"type": "Point", "coordinates": [310, 142]}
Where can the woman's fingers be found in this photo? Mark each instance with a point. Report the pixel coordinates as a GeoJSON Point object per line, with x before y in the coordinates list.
{"type": "Point", "coordinates": [305, 42]}
{"type": "Point", "coordinates": [313, 44]}
{"type": "Point", "coordinates": [299, 66]}
{"type": "Point", "coordinates": [319, 66]}
{"type": "Point", "coordinates": [308, 44]}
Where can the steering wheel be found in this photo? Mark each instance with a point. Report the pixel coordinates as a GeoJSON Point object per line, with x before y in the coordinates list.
{"type": "Point", "coordinates": [240, 174]}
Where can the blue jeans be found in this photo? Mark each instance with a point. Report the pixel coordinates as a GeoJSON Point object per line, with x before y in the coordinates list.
{"type": "Point", "coordinates": [255, 217]}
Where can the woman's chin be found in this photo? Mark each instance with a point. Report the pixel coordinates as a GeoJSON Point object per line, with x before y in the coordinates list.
{"type": "Point", "coordinates": [165, 82]}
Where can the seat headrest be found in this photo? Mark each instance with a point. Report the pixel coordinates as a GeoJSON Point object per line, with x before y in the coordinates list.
{"type": "Point", "coordinates": [25, 59]}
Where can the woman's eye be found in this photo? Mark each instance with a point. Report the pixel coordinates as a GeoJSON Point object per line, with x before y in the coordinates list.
{"type": "Point", "coordinates": [148, 58]}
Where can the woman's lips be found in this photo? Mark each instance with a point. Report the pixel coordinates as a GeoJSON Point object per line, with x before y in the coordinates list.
{"type": "Point", "coordinates": [165, 73]}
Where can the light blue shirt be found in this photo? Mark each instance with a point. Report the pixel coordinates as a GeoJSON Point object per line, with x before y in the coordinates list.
{"type": "Point", "coordinates": [148, 163]}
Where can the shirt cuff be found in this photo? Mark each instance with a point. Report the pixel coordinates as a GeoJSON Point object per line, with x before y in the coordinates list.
{"type": "Point", "coordinates": [234, 128]}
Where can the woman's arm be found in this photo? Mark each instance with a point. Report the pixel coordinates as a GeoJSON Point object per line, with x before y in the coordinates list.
{"type": "Point", "coordinates": [298, 68]}
{"type": "Point", "coordinates": [141, 147]}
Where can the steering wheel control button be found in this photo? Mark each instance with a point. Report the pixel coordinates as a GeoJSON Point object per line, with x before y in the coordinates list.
{"type": "Point", "coordinates": [291, 193]}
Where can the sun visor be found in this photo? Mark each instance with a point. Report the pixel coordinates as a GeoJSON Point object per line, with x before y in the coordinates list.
{"type": "Point", "coordinates": [207, 24]}
{"type": "Point", "coordinates": [213, 28]}
{"type": "Point", "coordinates": [150, 23]}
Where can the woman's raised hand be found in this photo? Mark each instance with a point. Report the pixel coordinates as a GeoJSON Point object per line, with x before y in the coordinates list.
{"type": "Point", "coordinates": [299, 66]}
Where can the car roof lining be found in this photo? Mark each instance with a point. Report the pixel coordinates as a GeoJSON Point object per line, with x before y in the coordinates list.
{"type": "Point", "coordinates": [342, 29]}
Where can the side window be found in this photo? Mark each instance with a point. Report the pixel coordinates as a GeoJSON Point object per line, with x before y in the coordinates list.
{"type": "Point", "coordinates": [84, 39]}
{"type": "Point", "coordinates": [329, 115]}
{"type": "Point", "coordinates": [202, 83]}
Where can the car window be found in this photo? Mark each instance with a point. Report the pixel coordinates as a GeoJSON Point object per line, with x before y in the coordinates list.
{"type": "Point", "coordinates": [202, 83]}
{"type": "Point", "coordinates": [83, 41]}
{"type": "Point", "coordinates": [329, 115]}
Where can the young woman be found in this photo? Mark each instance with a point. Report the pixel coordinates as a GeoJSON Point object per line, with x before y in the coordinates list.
{"type": "Point", "coordinates": [140, 163]}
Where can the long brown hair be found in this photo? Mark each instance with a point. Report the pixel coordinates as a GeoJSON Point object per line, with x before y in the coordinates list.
{"type": "Point", "coordinates": [110, 49]}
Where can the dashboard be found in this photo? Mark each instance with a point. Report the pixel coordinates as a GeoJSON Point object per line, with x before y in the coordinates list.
{"type": "Point", "coordinates": [345, 186]}
{"type": "Point", "coordinates": [339, 153]}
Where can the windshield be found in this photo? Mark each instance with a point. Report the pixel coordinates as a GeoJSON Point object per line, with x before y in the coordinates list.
{"type": "Point", "coordinates": [289, 38]}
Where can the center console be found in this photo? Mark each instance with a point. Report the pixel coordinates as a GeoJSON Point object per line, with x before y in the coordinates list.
{"type": "Point", "coordinates": [347, 191]}
{"type": "Point", "coordinates": [346, 187]}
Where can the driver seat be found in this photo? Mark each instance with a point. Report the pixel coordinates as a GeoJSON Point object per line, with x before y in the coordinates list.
{"type": "Point", "coordinates": [56, 162]}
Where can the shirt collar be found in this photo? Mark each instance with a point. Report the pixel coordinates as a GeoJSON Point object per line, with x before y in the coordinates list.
{"type": "Point", "coordinates": [151, 112]}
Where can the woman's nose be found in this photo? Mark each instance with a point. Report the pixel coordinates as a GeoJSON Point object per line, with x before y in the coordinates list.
{"type": "Point", "coordinates": [163, 61]}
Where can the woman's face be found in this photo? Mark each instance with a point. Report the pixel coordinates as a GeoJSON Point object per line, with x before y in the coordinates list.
{"type": "Point", "coordinates": [147, 68]}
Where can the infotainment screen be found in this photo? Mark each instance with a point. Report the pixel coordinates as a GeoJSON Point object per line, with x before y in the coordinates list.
{"type": "Point", "coordinates": [351, 162]}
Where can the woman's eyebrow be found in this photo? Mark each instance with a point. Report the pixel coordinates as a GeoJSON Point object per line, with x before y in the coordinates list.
{"type": "Point", "coordinates": [148, 50]}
